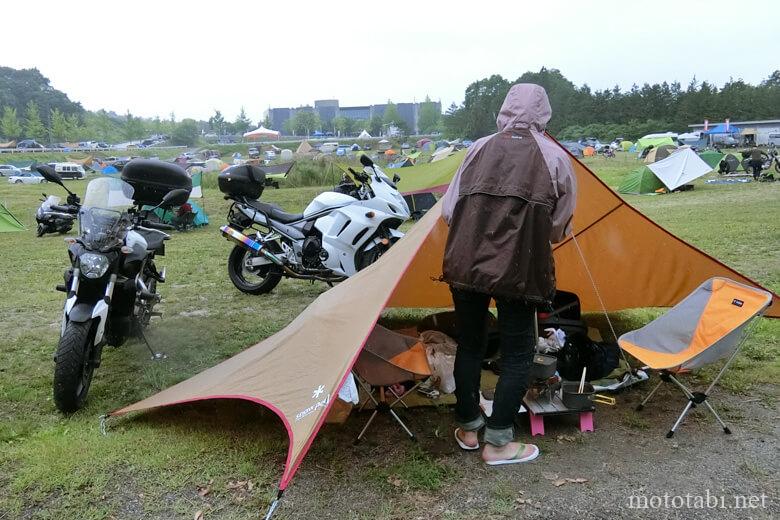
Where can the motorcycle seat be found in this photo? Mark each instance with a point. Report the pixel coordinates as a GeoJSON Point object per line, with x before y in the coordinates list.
{"type": "Point", "coordinates": [275, 213]}
{"type": "Point", "coordinates": [155, 240]}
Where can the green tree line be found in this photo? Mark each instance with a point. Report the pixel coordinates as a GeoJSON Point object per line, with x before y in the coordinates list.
{"type": "Point", "coordinates": [606, 114]}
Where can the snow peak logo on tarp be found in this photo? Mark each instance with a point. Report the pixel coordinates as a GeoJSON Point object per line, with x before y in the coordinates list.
{"type": "Point", "coordinates": [738, 303]}
{"type": "Point", "coordinates": [321, 404]}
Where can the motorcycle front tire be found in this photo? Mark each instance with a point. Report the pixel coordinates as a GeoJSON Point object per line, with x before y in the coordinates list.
{"type": "Point", "coordinates": [73, 367]}
{"type": "Point", "coordinates": [41, 230]}
{"type": "Point", "coordinates": [268, 276]}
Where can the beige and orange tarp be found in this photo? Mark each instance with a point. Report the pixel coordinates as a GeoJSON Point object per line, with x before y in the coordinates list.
{"type": "Point", "coordinates": [298, 371]}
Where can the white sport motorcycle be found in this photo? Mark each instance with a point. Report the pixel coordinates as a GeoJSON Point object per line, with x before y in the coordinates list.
{"type": "Point", "coordinates": [339, 233]}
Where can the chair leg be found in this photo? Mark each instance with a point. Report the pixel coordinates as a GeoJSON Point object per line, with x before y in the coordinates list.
{"type": "Point", "coordinates": [641, 405]}
{"type": "Point", "coordinates": [398, 419]}
{"type": "Point", "coordinates": [365, 428]}
{"type": "Point", "coordinates": [679, 419]}
{"type": "Point", "coordinates": [726, 429]}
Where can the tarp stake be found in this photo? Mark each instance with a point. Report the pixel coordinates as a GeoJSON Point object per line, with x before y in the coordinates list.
{"type": "Point", "coordinates": [274, 505]}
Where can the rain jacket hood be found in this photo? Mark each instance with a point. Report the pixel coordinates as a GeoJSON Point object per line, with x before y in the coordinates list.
{"type": "Point", "coordinates": [525, 106]}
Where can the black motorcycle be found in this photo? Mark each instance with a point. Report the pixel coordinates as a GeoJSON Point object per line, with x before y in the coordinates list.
{"type": "Point", "coordinates": [111, 285]}
{"type": "Point", "coordinates": [53, 217]}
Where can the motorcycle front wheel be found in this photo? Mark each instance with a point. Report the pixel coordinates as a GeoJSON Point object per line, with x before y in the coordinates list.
{"type": "Point", "coordinates": [73, 367]}
{"type": "Point", "coordinates": [259, 280]}
{"type": "Point", "coordinates": [41, 230]}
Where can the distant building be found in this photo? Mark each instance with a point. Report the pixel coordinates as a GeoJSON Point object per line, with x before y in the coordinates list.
{"type": "Point", "coordinates": [757, 132]}
{"type": "Point", "coordinates": [329, 109]}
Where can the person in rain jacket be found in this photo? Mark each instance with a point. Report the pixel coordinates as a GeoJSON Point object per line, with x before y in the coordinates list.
{"type": "Point", "coordinates": [512, 197]}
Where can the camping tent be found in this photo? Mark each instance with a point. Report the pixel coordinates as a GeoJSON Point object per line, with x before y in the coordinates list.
{"type": "Point", "coordinates": [733, 164]}
{"type": "Point", "coordinates": [384, 144]}
{"type": "Point", "coordinates": [390, 152]}
{"type": "Point", "coordinates": [422, 142]}
{"type": "Point", "coordinates": [364, 135]}
{"type": "Point", "coordinates": [679, 168]}
{"type": "Point", "coordinates": [640, 181]}
{"type": "Point", "coordinates": [573, 148]}
{"type": "Point", "coordinates": [405, 162]}
{"type": "Point", "coordinates": [304, 147]}
{"type": "Point", "coordinates": [711, 157]}
{"type": "Point", "coordinates": [214, 165]}
{"type": "Point", "coordinates": [297, 372]}
{"type": "Point", "coordinates": [166, 215]}
{"type": "Point", "coordinates": [109, 169]}
{"type": "Point", "coordinates": [644, 142]}
{"type": "Point", "coordinates": [626, 145]}
{"type": "Point", "coordinates": [442, 153]}
{"type": "Point", "coordinates": [588, 151]}
{"type": "Point", "coordinates": [8, 222]}
{"type": "Point", "coordinates": [261, 133]}
{"type": "Point", "coordinates": [659, 152]}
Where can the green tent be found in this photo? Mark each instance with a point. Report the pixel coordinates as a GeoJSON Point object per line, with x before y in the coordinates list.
{"type": "Point", "coordinates": [8, 222]}
{"type": "Point", "coordinates": [433, 176]}
{"type": "Point", "coordinates": [166, 215]}
{"type": "Point", "coordinates": [643, 143]}
{"type": "Point", "coordinates": [711, 157]}
{"type": "Point", "coordinates": [625, 145]}
{"type": "Point", "coordinates": [640, 181]}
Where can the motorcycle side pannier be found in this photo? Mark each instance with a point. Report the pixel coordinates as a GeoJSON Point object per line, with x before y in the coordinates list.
{"type": "Point", "coordinates": [151, 180]}
{"type": "Point", "coordinates": [243, 180]}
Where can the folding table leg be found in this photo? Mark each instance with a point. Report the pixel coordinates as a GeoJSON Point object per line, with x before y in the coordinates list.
{"type": "Point", "coordinates": [679, 419]}
{"type": "Point", "coordinates": [644, 402]}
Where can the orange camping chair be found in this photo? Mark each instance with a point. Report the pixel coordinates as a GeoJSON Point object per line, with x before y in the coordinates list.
{"type": "Point", "coordinates": [389, 358]}
{"type": "Point", "coordinates": [710, 324]}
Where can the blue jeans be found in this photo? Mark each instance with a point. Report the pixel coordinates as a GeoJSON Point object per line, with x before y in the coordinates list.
{"type": "Point", "coordinates": [517, 342]}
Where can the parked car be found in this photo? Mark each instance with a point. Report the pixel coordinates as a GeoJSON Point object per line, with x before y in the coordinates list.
{"type": "Point", "coordinates": [29, 143]}
{"type": "Point", "coordinates": [6, 170]}
{"type": "Point", "coordinates": [26, 178]}
{"type": "Point", "coordinates": [68, 170]}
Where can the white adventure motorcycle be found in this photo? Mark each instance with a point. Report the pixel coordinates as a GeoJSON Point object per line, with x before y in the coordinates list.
{"type": "Point", "coordinates": [339, 233]}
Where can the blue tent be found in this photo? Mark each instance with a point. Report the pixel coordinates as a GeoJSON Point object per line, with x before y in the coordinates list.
{"type": "Point", "coordinates": [166, 216]}
{"type": "Point", "coordinates": [721, 129]}
{"type": "Point", "coordinates": [109, 170]}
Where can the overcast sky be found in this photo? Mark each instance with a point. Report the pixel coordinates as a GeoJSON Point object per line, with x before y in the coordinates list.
{"type": "Point", "coordinates": [154, 57]}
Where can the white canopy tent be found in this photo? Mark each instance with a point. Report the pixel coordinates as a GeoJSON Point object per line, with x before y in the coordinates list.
{"type": "Point", "coordinates": [679, 168]}
{"type": "Point", "coordinates": [364, 135]}
{"type": "Point", "coordinates": [261, 133]}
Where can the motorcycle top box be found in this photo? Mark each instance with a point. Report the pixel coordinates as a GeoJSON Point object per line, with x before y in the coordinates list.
{"type": "Point", "coordinates": [151, 180]}
{"type": "Point", "coordinates": [242, 181]}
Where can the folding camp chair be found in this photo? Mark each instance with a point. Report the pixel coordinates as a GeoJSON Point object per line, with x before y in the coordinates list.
{"type": "Point", "coordinates": [711, 323]}
{"type": "Point", "coordinates": [389, 358]}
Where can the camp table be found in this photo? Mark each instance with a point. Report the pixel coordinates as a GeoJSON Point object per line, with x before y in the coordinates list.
{"type": "Point", "coordinates": [541, 406]}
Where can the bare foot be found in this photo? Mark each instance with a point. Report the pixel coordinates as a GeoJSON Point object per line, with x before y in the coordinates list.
{"type": "Point", "coordinates": [513, 450]}
{"type": "Point", "coordinates": [469, 438]}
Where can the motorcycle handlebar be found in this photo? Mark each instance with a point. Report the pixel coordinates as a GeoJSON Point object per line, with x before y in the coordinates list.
{"type": "Point", "coordinates": [64, 209]}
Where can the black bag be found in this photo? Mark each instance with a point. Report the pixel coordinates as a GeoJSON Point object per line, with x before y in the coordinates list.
{"type": "Point", "coordinates": [580, 351]}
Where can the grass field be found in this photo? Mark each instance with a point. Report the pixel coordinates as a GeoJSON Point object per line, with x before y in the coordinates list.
{"type": "Point", "coordinates": [151, 466]}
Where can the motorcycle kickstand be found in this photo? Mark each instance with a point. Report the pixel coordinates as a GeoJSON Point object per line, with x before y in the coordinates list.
{"type": "Point", "coordinates": [156, 356]}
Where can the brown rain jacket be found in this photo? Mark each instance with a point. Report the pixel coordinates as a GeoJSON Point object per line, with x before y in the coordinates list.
{"type": "Point", "coordinates": [513, 195]}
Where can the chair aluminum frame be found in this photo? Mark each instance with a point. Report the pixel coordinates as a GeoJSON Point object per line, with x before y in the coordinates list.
{"type": "Point", "coordinates": [697, 398]}
{"type": "Point", "coordinates": [383, 405]}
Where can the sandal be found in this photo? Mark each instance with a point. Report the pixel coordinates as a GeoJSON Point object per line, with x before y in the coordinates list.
{"type": "Point", "coordinates": [517, 458]}
{"type": "Point", "coordinates": [462, 444]}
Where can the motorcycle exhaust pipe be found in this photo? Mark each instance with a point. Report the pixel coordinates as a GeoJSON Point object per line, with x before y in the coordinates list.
{"type": "Point", "coordinates": [249, 244]}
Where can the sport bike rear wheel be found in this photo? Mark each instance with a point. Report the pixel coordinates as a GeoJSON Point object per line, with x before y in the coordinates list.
{"type": "Point", "coordinates": [257, 280]}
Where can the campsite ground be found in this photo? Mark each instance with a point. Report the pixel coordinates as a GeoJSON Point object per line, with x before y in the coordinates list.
{"type": "Point", "coordinates": [225, 460]}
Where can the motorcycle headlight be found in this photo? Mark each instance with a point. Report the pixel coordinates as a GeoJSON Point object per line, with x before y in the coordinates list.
{"type": "Point", "coordinates": [93, 265]}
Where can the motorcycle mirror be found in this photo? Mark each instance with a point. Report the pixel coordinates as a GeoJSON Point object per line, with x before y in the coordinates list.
{"type": "Point", "coordinates": [396, 178]}
{"type": "Point", "coordinates": [49, 174]}
{"type": "Point", "coordinates": [365, 160]}
{"type": "Point", "coordinates": [174, 196]}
